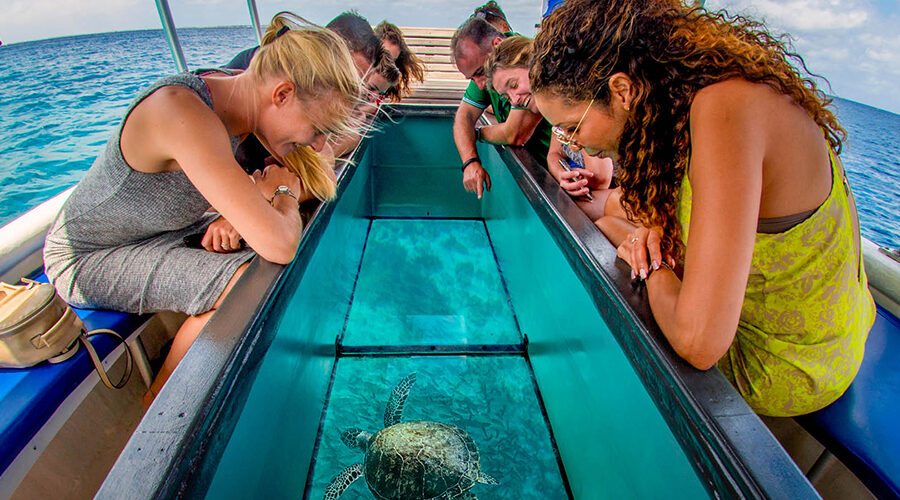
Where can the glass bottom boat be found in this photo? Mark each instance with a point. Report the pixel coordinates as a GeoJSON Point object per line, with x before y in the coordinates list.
{"type": "Point", "coordinates": [513, 332]}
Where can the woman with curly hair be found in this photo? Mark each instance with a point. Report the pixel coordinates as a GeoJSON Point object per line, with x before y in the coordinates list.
{"type": "Point", "coordinates": [585, 178]}
{"type": "Point", "coordinates": [729, 168]}
{"type": "Point", "coordinates": [411, 67]}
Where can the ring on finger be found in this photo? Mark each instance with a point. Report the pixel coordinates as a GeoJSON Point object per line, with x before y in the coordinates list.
{"type": "Point", "coordinates": [226, 246]}
{"type": "Point", "coordinates": [635, 239]}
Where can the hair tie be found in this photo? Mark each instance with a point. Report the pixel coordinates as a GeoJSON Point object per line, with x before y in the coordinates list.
{"type": "Point", "coordinates": [284, 29]}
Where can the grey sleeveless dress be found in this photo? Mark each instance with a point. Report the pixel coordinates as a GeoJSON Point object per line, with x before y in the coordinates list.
{"type": "Point", "coordinates": [118, 243]}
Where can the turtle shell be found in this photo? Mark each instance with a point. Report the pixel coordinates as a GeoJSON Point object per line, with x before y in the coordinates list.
{"type": "Point", "coordinates": [420, 460]}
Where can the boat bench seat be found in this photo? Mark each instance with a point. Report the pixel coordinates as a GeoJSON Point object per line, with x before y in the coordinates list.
{"type": "Point", "coordinates": [862, 428]}
{"type": "Point", "coordinates": [29, 397]}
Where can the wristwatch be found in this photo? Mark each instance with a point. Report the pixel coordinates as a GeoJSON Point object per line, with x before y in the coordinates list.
{"type": "Point", "coordinates": [284, 190]}
{"type": "Point", "coordinates": [478, 132]}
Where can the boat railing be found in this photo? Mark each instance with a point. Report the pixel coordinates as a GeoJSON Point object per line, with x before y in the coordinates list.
{"type": "Point", "coordinates": [165, 16]}
{"type": "Point", "coordinates": [254, 18]}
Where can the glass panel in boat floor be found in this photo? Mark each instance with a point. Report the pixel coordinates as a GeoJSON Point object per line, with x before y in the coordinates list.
{"type": "Point", "coordinates": [491, 397]}
{"type": "Point", "coordinates": [429, 281]}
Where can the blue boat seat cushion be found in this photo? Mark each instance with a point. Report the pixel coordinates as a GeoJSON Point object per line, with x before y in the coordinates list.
{"type": "Point", "coordinates": [30, 396]}
{"type": "Point", "coordinates": [862, 428]}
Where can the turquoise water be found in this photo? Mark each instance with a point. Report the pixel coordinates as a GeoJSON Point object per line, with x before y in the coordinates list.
{"type": "Point", "coordinates": [389, 281]}
{"type": "Point", "coordinates": [429, 282]}
{"type": "Point", "coordinates": [492, 398]}
{"type": "Point", "coordinates": [61, 98]}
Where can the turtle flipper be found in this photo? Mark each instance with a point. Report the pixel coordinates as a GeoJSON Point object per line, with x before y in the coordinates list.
{"type": "Point", "coordinates": [342, 481]}
{"type": "Point", "coordinates": [485, 479]}
{"type": "Point", "coordinates": [394, 410]}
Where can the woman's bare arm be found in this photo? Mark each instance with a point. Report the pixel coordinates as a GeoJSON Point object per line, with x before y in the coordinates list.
{"type": "Point", "coordinates": [176, 128]}
{"type": "Point", "coordinates": [700, 314]}
{"type": "Point", "coordinates": [515, 131]}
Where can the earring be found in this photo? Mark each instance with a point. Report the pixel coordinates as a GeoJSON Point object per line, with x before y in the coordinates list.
{"type": "Point", "coordinates": [627, 107]}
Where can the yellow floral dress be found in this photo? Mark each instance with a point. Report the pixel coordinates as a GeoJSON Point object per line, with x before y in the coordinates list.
{"type": "Point", "coordinates": [807, 309]}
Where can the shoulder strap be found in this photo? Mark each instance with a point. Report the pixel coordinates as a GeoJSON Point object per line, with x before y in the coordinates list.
{"type": "Point", "coordinates": [98, 365]}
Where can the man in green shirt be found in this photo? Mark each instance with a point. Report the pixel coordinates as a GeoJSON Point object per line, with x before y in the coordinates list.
{"type": "Point", "coordinates": [471, 45]}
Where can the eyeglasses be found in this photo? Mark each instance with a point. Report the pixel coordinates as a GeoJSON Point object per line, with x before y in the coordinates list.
{"type": "Point", "coordinates": [565, 138]}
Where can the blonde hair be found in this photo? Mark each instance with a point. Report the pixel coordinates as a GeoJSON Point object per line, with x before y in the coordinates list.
{"type": "Point", "coordinates": [317, 63]}
{"type": "Point", "coordinates": [513, 52]}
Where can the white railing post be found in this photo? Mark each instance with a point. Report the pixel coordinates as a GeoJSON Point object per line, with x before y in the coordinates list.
{"type": "Point", "coordinates": [254, 18]}
{"type": "Point", "coordinates": [165, 15]}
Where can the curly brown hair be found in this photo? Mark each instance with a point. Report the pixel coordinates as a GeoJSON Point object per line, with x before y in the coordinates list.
{"type": "Point", "coordinates": [410, 66]}
{"type": "Point", "coordinates": [670, 52]}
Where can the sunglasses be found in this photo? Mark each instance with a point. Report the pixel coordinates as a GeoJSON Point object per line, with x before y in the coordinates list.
{"type": "Point", "coordinates": [566, 138]}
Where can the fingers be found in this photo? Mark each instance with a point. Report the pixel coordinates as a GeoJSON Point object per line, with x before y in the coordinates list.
{"type": "Point", "coordinates": [579, 172]}
{"type": "Point", "coordinates": [624, 252]}
{"type": "Point", "coordinates": [467, 181]}
{"type": "Point", "coordinates": [577, 188]}
{"type": "Point", "coordinates": [216, 241]}
{"type": "Point", "coordinates": [640, 257]}
{"type": "Point", "coordinates": [653, 247]}
{"type": "Point", "coordinates": [476, 179]}
{"type": "Point", "coordinates": [638, 240]}
{"type": "Point", "coordinates": [219, 240]}
{"type": "Point", "coordinates": [207, 241]}
{"type": "Point", "coordinates": [234, 241]}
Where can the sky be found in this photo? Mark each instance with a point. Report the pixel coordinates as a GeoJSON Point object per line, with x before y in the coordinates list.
{"type": "Point", "coordinates": [854, 44]}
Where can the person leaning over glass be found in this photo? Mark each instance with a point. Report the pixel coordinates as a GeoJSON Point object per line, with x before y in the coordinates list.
{"type": "Point", "coordinates": [747, 234]}
{"type": "Point", "coordinates": [118, 242]}
{"type": "Point", "coordinates": [470, 47]}
{"type": "Point", "coordinates": [506, 72]}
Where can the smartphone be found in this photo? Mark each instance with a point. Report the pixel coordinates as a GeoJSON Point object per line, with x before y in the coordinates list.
{"type": "Point", "coordinates": [565, 165]}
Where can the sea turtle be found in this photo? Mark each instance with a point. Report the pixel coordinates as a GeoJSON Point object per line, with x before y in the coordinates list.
{"type": "Point", "coordinates": [412, 460]}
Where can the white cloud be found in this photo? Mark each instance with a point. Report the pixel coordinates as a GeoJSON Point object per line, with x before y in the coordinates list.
{"type": "Point", "coordinates": [855, 47]}
{"type": "Point", "coordinates": [808, 15]}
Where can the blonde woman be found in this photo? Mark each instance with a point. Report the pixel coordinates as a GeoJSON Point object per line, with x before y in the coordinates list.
{"type": "Point", "coordinates": [118, 241]}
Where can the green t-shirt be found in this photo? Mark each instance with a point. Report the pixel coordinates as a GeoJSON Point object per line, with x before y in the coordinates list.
{"type": "Point", "coordinates": [538, 144]}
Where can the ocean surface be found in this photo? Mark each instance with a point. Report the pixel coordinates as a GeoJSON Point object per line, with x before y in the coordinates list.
{"type": "Point", "coordinates": [60, 99]}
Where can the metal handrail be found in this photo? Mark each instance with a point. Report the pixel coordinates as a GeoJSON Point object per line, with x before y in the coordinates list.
{"type": "Point", "coordinates": [165, 15]}
{"type": "Point", "coordinates": [254, 18]}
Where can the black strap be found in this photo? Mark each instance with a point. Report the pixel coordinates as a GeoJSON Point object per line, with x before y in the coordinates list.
{"type": "Point", "coordinates": [470, 161]}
